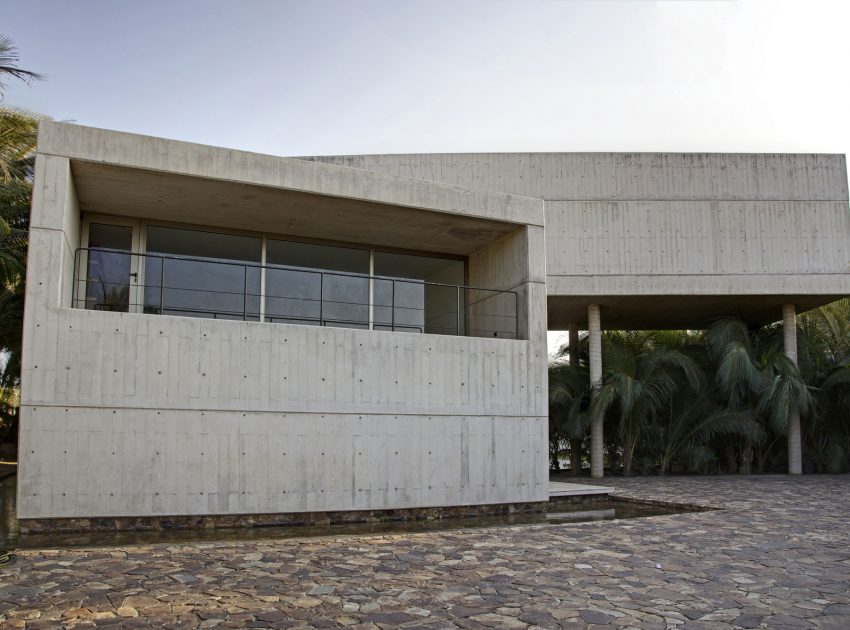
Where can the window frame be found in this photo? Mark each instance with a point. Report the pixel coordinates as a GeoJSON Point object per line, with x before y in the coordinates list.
{"type": "Point", "coordinates": [137, 271]}
{"type": "Point", "coordinates": [140, 226]}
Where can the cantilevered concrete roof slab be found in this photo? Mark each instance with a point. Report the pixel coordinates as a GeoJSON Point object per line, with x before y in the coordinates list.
{"type": "Point", "coordinates": [669, 240]}
{"type": "Point", "coordinates": [153, 178]}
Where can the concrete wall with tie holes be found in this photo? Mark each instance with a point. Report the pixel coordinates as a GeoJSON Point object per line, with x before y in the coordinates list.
{"type": "Point", "coordinates": [128, 414]}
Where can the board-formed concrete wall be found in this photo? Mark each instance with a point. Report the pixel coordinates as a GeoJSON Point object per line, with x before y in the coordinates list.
{"type": "Point", "coordinates": [623, 176]}
{"type": "Point", "coordinates": [649, 224]}
{"type": "Point", "coordinates": [126, 414]}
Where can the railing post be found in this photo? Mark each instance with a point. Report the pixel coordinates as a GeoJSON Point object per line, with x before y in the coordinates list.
{"type": "Point", "coordinates": [162, 286]}
{"type": "Point", "coordinates": [263, 261]}
{"type": "Point", "coordinates": [76, 278]}
{"type": "Point", "coordinates": [245, 296]}
{"type": "Point", "coordinates": [392, 309]}
{"type": "Point", "coordinates": [321, 297]}
{"type": "Point", "coordinates": [516, 315]}
{"type": "Point", "coordinates": [458, 311]}
{"type": "Point", "coordinates": [371, 289]}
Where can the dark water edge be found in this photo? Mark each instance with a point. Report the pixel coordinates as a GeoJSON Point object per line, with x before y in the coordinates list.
{"type": "Point", "coordinates": [581, 512]}
{"type": "Point", "coordinates": [8, 517]}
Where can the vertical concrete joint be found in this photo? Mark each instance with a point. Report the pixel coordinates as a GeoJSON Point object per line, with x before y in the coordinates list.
{"type": "Point", "coordinates": [594, 329]}
{"type": "Point", "coordinates": [795, 446]}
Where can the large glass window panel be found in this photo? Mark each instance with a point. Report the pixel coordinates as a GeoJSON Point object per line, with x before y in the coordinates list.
{"type": "Point", "coordinates": [198, 274]}
{"type": "Point", "coordinates": [424, 295]}
{"type": "Point", "coordinates": [293, 296]}
{"type": "Point", "coordinates": [108, 267]}
{"type": "Point", "coordinates": [300, 294]}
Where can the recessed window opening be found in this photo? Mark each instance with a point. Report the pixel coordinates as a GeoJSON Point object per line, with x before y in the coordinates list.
{"type": "Point", "coordinates": [200, 273]}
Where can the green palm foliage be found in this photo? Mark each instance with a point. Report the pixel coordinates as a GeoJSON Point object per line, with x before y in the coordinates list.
{"type": "Point", "coordinates": [18, 134]}
{"type": "Point", "coordinates": [569, 409]}
{"type": "Point", "coordinates": [15, 199]}
{"type": "Point", "coordinates": [825, 364]}
{"type": "Point", "coordinates": [755, 378]}
{"type": "Point", "coordinates": [9, 64]}
{"type": "Point", "coordinates": [638, 381]}
{"type": "Point", "coordinates": [14, 221]}
{"type": "Point", "coordinates": [715, 401]}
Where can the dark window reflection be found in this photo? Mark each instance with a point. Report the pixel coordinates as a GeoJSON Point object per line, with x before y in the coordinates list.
{"type": "Point", "coordinates": [304, 296]}
{"type": "Point", "coordinates": [108, 271]}
{"type": "Point", "coordinates": [210, 284]}
{"type": "Point", "coordinates": [206, 274]}
{"type": "Point", "coordinates": [416, 301]}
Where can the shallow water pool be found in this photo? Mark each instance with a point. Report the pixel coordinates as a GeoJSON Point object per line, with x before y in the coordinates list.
{"type": "Point", "coordinates": [559, 514]}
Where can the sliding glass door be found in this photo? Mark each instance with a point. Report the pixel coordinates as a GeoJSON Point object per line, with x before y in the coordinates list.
{"type": "Point", "coordinates": [110, 279]}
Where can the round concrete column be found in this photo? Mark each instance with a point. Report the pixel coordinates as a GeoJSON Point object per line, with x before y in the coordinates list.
{"type": "Point", "coordinates": [594, 329]}
{"type": "Point", "coordinates": [795, 441]}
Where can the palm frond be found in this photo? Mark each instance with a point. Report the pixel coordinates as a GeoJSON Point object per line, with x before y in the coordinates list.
{"type": "Point", "coordinates": [18, 137]}
{"type": "Point", "coordinates": [9, 64]}
{"type": "Point", "coordinates": [737, 374]}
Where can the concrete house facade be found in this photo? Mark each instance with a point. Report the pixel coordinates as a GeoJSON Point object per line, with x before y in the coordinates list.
{"type": "Point", "coordinates": [218, 336]}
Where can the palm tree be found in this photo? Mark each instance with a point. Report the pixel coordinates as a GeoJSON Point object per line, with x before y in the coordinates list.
{"type": "Point", "coordinates": [18, 133]}
{"type": "Point", "coordinates": [569, 407]}
{"type": "Point", "coordinates": [755, 377]}
{"type": "Point", "coordinates": [18, 137]}
{"type": "Point", "coordinates": [9, 65]}
{"type": "Point", "coordinates": [638, 380]}
{"type": "Point", "coordinates": [662, 415]}
{"type": "Point", "coordinates": [693, 422]}
{"type": "Point", "coordinates": [824, 361]}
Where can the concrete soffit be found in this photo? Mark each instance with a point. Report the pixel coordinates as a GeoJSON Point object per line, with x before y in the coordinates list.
{"type": "Point", "coordinates": [145, 153]}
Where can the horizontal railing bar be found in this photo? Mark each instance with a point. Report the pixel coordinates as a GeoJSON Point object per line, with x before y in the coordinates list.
{"type": "Point", "coordinates": [272, 266]}
{"type": "Point", "coordinates": [270, 296]}
{"type": "Point", "coordinates": [261, 306]}
{"type": "Point", "coordinates": [305, 318]}
{"type": "Point", "coordinates": [157, 305]}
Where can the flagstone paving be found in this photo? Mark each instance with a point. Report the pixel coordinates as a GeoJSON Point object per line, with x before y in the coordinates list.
{"type": "Point", "coordinates": [777, 556]}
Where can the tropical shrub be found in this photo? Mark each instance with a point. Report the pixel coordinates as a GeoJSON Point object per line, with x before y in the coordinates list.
{"type": "Point", "coordinates": [715, 400]}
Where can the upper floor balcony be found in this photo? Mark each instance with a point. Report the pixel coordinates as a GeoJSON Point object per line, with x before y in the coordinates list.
{"type": "Point", "coordinates": [217, 275]}
{"type": "Point", "coordinates": [151, 226]}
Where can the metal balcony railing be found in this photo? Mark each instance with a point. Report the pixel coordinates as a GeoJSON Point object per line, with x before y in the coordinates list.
{"type": "Point", "coordinates": [114, 280]}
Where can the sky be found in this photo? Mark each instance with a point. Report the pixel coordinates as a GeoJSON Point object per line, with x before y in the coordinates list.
{"type": "Point", "coordinates": [355, 76]}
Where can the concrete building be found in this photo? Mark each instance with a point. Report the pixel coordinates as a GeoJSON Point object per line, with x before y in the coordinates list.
{"type": "Point", "coordinates": [214, 334]}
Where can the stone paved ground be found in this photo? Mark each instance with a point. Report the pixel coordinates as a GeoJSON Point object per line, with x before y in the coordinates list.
{"type": "Point", "coordinates": [777, 556]}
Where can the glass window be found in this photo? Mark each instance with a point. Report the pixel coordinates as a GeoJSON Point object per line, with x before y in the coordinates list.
{"type": "Point", "coordinates": [416, 299]}
{"type": "Point", "coordinates": [197, 274]}
{"type": "Point", "coordinates": [108, 267]}
{"type": "Point", "coordinates": [299, 294]}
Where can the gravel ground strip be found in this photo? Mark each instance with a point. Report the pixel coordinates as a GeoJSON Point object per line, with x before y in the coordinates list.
{"type": "Point", "coordinates": [776, 555]}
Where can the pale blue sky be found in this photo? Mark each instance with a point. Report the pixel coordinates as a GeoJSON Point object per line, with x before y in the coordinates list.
{"type": "Point", "coordinates": [353, 76]}
{"type": "Point", "coordinates": [337, 76]}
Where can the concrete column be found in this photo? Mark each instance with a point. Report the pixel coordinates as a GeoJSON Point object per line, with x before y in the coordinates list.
{"type": "Point", "coordinates": [795, 442]}
{"type": "Point", "coordinates": [574, 345]}
{"type": "Point", "coordinates": [594, 329]}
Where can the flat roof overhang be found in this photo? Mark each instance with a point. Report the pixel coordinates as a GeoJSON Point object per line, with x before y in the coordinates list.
{"type": "Point", "coordinates": [154, 195]}
{"type": "Point", "coordinates": [675, 312]}
{"type": "Point", "coordinates": [687, 301]}
{"type": "Point", "coordinates": [139, 176]}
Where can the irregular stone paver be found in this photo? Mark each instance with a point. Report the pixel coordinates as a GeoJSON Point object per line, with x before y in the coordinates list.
{"type": "Point", "coordinates": [776, 556]}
